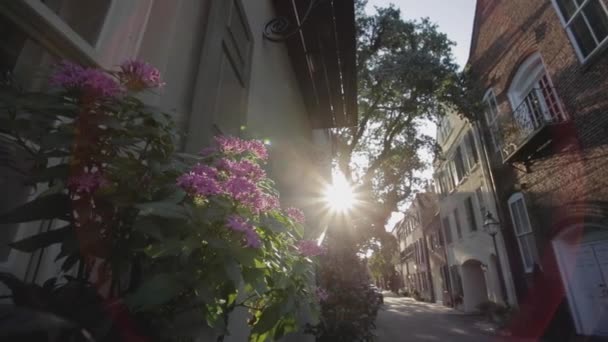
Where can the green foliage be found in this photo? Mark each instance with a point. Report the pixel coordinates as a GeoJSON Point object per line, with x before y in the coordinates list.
{"type": "Point", "coordinates": [407, 76]}
{"type": "Point", "coordinates": [165, 255]}
{"type": "Point", "coordinates": [349, 312]}
{"type": "Point", "coordinates": [384, 258]}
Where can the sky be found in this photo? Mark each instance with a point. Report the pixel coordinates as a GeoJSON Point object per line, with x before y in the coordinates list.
{"type": "Point", "coordinates": [453, 17]}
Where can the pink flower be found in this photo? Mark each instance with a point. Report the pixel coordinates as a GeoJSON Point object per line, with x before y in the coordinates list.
{"type": "Point", "coordinates": [233, 145]}
{"type": "Point", "coordinates": [92, 82]}
{"type": "Point", "coordinates": [87, 182]}
{"type": "Point", "coordinates": [295, 214]}
{"type": "Point", "coordinates": [201, 180]}
{"type": "Point", "coordinates": [309, 248]}
{"type": "Point", "coordinates": [139, 75]}
{"type": "Point", "coordinates": [240, 224]}
{"type": "Point", "coordinates": [321, 294]}
{"type": "Point", "coordinates": [243, 168]}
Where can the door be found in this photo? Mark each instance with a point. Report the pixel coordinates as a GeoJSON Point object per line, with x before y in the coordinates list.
{"type": "Point", "coordinates": [222, 86]}
{"type": "Point", "coordinates": [584, 270]}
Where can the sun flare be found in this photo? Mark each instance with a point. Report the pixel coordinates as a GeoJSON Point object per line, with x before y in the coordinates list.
{"type": "Point", "coordinates": [339, 195]}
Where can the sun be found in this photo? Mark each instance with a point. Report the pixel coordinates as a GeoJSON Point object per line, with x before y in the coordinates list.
{"type": "Point", "coordinates": [339, 195]}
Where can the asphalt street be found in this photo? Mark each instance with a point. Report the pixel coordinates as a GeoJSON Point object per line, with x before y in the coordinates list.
{"type": "Point", "coordinates": [404, 319]}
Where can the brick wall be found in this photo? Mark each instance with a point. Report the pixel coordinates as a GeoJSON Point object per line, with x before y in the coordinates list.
{"type": "Point", "coordinates": [575, 166]}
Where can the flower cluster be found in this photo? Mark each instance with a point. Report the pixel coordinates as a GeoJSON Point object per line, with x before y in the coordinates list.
{"type": "Point", "coordinates": [321, 294]}
{"type": "Point", "coordinates": [237, 179]}
{"type": "Point", "coordinates": [201, 181]}
{"type": "Point", "coordinates": [92, 82]}
{"type": "Point", "coordinates": [236, 146]}
{"type": "Point", "coordinates": [137, 75]}
{"type": "Point", "coordinates": [87, 182]}
{"type": "Point", "coordinates": [310, 248]}
{"type": "Point", "coordinates": [295, 214]}
{"type": "Point", "coordinates": [240, 224]}
{"type": "Point", "coordinates": [133, 75]}
{"type": "Point", "coordinates": [242, 168]}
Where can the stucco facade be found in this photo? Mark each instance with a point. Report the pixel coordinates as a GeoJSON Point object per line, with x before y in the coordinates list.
{"type": "Point", "coordinates": [207, 91]}
{"type": "Point", "coordinates": [465, 196]}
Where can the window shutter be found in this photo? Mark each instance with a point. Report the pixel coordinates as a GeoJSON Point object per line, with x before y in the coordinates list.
{"type": "Point", "coordinates": [457, 222]}
{"type": "Point", "coordinates": [220, 101]}
{"type": "Point", "coordinates": [523, 231]}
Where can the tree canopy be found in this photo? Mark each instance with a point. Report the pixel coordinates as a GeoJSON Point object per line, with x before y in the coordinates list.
{"type": "Point", "coordinates": [407, 77]}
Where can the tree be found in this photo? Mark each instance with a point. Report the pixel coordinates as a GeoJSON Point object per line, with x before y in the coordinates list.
{"type": "Point", "coordinates": [406, 76]}
{"type": "Point", "coordinates": [384, 259]}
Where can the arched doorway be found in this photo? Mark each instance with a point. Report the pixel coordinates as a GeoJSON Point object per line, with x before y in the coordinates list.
{"type": "Point", "coordinates": [582, 256]}
{"type": "Point", "coordinates": [474, 285]}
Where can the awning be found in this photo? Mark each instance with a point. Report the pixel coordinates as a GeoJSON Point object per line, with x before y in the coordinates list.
{"type": "Point", "coordinates": [323, 54]}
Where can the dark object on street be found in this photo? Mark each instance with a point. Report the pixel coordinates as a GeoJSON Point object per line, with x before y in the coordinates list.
{"type": "Point", "coordinates": [378, 293]}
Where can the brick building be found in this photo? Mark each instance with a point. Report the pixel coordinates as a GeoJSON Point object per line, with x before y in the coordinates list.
{"type": "Point", "coordinates": [544, 68]}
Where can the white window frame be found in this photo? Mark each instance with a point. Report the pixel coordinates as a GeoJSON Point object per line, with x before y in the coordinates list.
{"type": "Point", "coordinates": [520, 234]}
{"type": "Point", "coordinates": [566, 24]}
{"type": "Point", "coordinates": [489, 100]}
{"type": "Point", "coordinates": [528, 79]}
{"type": "Point", "coordinates": [119, 38]}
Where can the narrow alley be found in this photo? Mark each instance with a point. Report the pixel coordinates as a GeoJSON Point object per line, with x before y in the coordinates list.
{"type": "Point", "coordinates": [404, 319]}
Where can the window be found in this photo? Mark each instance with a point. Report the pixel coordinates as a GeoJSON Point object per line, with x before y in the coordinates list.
{"type": "Point", "coordinates": [470, 212]}
{"type": "Point", "coordinates": [447, 231]}
{"type": "Point", "coordinates": [523, 231]}
{"type": "Point", "coordinates": [491, 115]}
{"type": "Point", "coordinates": [472, 156]}
{"type": "Point", "coordinates": [533, 97]}
{"type": "Point", "coordinates": [586, 22]}
{"type": "Point", "coordinates": [457, 222]}
{"type": "Point", "coordinates": [459, 165]}
{"type": "Point", "coordinates": [444, 129]}
{"type": "Point", "coordinates": [103, 32]}
{"type": "Point", "coordinates": [481, 201]}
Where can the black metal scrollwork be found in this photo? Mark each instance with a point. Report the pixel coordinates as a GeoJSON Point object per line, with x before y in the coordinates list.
{"type": "Point", "coordinates": [280, 29]}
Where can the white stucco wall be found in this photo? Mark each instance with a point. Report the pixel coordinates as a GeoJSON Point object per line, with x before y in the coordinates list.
{"type": "Point", "coordinates": [474, 245]}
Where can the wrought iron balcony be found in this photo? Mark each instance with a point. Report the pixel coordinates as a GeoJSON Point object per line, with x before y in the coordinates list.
{"type": "Point", "coordinates": [523, 131]}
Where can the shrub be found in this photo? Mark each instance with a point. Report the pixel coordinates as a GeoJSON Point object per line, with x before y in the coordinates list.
{"type": "Point", "coordinates": [351, 307]}
{"type": "Point", "coordinates": [169, 242]}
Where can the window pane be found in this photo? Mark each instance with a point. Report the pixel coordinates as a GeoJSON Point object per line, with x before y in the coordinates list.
{"type": "Point", "coordinates": [447, 230]}
{"type": "Point", "coordinates": [516, 217]}
{"type": "Point", "coordinates": [583, 36]}
{"type": "Point", "coordinates": [567, 7]}
{"type": "Point", "coordinates": [84, 17]}
{"type": "Point", "coordinates": [457, 221]}
{"type": "Point", "coordinates": [525, 251]}
{"type": "Point", "coordinates": [470, 214]}
{"type": "Point", "coordinates": [523, 217]}
{"type": "Point", "coordinates": [597, 19]}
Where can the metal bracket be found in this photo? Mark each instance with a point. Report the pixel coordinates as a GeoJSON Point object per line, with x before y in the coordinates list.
{"type": "Point", "coordinates": [277, 29]}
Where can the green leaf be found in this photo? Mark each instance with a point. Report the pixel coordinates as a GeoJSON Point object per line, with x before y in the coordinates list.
{"type": "Point", "coordinates": [273, 224]}
{"type": "Point", "coordinates": [50, 173]}
{"type": "Point", "coordinates": [268, 319]}
{"type": "Point", "coordinates": [163, 209]}
{"type": "Point", "coordinates": [42, 208]}
{"type": "Point", "coordinates": [42, 240]}
{"type": "Point", "coordinates": [233, 270]}
{"type": "Point", "coordinates": [154, 292]}
{"type": "Point", "coordinates": [149, 227]}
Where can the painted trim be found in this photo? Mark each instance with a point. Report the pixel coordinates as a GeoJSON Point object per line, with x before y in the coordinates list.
{"type": "Point", "coordinates": [565, 24]}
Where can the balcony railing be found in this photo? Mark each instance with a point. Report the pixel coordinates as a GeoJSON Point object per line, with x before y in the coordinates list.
{"type": "Point", "coordinates": [521, 128]}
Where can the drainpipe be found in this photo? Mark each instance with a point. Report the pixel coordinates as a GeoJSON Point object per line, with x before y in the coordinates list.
{"type": "Point", "coordinates": [487, 171]}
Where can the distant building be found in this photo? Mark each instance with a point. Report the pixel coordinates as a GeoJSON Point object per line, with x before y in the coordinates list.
{"type": "Point", "coordinates": [465, 197]}
{"type": "Point", "coordinates": [416, 266]}
{"type": "Point", "coordinates": [544, 69]}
